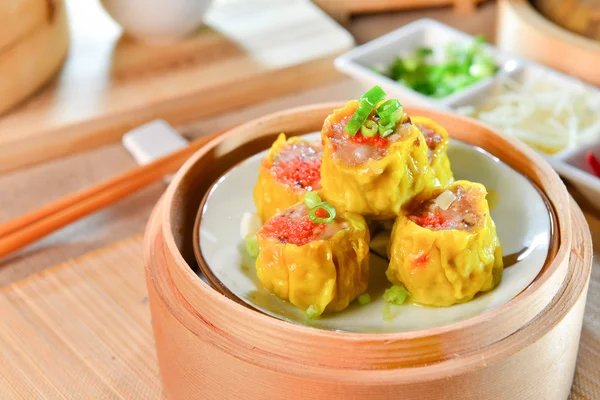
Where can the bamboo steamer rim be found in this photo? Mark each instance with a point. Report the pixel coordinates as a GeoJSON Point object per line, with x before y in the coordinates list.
{"type": "Point", "coordinates": [571, 294]}
{"type": "Point", "coordinates": [189, 285]}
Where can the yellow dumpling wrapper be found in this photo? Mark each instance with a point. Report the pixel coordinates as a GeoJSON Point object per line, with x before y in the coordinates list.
{"type": "Point", "coordinates": [327, 274]}
{"type": "Point", "coordinates": [376, 189]}
{"type": "Point", "coordinates": [445, 267]}
{"type": "Point", "coordinates": [440, 164]}
{"type": "Point", "coordinates": [270, 196]}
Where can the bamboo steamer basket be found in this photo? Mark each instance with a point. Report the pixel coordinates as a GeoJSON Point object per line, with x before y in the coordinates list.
{"type": "Point", "coordinates": [212, 347]}
{"type": "Point", "coordinates": [33, 45]}
{"type": "Point", "coordinates": [578, 16]}
{"type": "Point", "coordinates": [521, 29]}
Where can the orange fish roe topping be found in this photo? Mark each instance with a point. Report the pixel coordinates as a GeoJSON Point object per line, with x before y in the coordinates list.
{"type": "Point", "coordinates": [285, 230]}
{"type": "Point", "coordinates": [376, 140]}
{"type": "Point", "coordinates": [430, 220]}
{"type": "Point", "coordinates": [299, 173]}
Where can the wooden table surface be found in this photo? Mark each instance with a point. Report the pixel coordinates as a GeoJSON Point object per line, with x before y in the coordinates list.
{"type": "Point", "coordinates": [26, 189]}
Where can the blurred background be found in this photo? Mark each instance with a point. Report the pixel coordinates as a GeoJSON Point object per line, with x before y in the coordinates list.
{"type": "Point", "coordinates": [78, 75]}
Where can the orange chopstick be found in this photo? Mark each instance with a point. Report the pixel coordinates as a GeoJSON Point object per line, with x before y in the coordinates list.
{"type": "Point", "coordinates": [26, 229]}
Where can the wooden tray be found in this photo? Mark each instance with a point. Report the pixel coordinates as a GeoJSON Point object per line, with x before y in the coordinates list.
{"type": "Point", "coordinates": [250, 51]}
{"type": "Point", "coordinates": [342, 10]}
{"type": "Point", "coordinates": [533, 338]}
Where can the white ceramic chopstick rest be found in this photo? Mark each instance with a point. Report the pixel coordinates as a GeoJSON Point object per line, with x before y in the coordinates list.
{"type": "Point", "coordinates": [152, 141]}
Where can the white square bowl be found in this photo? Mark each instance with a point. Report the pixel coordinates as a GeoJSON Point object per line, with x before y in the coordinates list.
{"type": "Point", "coordinates": [360, 61]}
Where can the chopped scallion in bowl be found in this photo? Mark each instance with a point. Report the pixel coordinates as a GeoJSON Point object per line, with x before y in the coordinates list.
{"type": "Point", "coordinates": [461, 66]}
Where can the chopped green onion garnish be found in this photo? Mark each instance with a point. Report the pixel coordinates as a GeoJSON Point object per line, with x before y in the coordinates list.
{"type": "Point", "coordinates": [463, 64]}
{"type": "Point", "coordinates": [364, 299]}
{"type": "Point", "coordinates": [388, 108]}
{"type": "Point", "coordinates": [311, 199]}
{"type": "Point", "coordinates": [479, 40]}
{"type": "Point", "coordinates": [373, 95]}
{"type": "Point", "coordinates": [395, 295]}
{"type": "Point", "coordinates": [312, 312]}
{"type": "Point", "coordinates": [398, 114]}
{"type": "Point", "coordinates": [367, 103]}
{"type": "Point", "coordinates": [369, 128]}
{"type": "Point", "coordinates": [358, 118]}
{"type": "Point", "coordinates": [251, 243]}
{"type": "Point", "coordinates": [424, 51]}
{"type": "Point", "coordinates": [387, 126]}
{"type": "Point", "coordinates": [312, 214]}
{"type": "Point", "coordinates": [388, 315]}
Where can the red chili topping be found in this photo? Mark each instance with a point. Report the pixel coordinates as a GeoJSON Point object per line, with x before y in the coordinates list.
{"type": "Point", "coordinates": [432, 221]}
{"type": "Point", "coordinates": [298, 232]}
{"type": "Point", "coordinates": [299, 173]}
{"type": "Point", "coordinates": [321, 213]}
{"type": "Point", "coordinates": [376, 140]}
{"type": "Point", "coordinates": [594, 163]}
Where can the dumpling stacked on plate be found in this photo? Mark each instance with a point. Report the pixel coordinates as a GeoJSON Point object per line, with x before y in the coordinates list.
{"type": "Point", "coordinates": [380, 164]}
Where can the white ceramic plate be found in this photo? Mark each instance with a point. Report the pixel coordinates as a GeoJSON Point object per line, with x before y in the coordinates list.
{"type": "Point", "coordinates": [522, 221]}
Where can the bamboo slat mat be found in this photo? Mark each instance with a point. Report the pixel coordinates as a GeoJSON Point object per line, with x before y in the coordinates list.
{"type": "Point", "coordinates": [81, 330]}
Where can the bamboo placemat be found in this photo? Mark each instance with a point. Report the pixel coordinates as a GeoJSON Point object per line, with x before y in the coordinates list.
{"type": "Point", "coordinates": [81, 330]}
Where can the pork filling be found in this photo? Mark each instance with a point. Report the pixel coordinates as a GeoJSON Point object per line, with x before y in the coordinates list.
{"type": "Point", "coordinates": [452, 209]}
{"type": "Point", "coordinates": [432, 138]}
{"type": "Point", "coordinates": [358, 149]}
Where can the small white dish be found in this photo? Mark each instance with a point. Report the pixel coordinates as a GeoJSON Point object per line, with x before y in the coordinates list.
{"type": "Point", "coordinates": [157, 21]}
{"type": "Point", "coordinates": [359, 61]}
{"type": "Point", "coordinates": [576, 168]}
{"type": "Point", "coordinates": [522, 219]}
